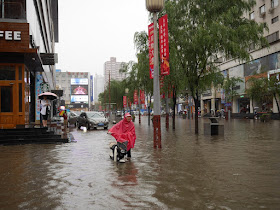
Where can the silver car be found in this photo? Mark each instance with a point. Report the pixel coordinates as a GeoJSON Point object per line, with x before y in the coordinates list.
{"type": "Point", "coordinates": [92, 120]}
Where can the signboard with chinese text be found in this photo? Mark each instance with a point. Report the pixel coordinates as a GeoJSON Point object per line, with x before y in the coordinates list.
{"type": "Point", "coordinates": [124, 102]}
{"type": "Point", "coordinates": [164, 45]}
{"type": "Point", "coordinates": [135, 97]}
{"type": "Point", "coordinates": [142, 96]}
{"type": "Point", "coordinates": [151, 49]}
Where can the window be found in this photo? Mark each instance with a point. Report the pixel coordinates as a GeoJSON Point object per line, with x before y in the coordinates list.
{"type": "Point", "coordinates": [12, 9]}
{"type": "Point", "coordinates": [273, 37]}
{"type": "Point", "coordinates": [262, 9]}
{"type": "Point", "coordinates": [274, 3]}
{"type": "Point", "coordinates": [274, 20]}
{"type": "Point", "coordinates": [252, 16]}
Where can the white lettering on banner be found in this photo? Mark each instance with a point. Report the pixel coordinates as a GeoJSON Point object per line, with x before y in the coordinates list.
{"type": "Point", "coordinates": [11, 35]}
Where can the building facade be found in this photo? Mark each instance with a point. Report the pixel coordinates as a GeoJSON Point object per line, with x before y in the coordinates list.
{"type": "Point", "coordinates": [76, 89]}
{"type": "Point", "coordinates": [28, 33]}
{"type": "Point", "coordinates": [265, 61]}
{"type": "Point", "coordinates": [112, 68]}
{"type": "Point", "coordinates": [98, 86]}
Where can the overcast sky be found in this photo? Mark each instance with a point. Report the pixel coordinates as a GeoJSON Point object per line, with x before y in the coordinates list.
{"type": "Point", "coordinates": [92, 31]}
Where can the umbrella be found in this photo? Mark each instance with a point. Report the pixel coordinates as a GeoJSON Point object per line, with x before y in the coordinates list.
{"type": "Point", "coordinates": [50, 96]}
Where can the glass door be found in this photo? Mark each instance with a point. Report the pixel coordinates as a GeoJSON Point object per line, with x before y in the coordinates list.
{"type": "Point", "coordinates": [6, 99]}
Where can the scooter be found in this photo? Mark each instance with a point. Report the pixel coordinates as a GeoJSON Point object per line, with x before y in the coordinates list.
{"type": "Point", "coordinates": [118, 151]}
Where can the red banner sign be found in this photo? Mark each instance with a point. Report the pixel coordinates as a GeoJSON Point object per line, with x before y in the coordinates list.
{"type": "Point", "coordinates": [142, 96]}
{"type": "Point", "coordinates": [135, 97]}
{"type": "Point", "coordinates": [124, 101]}
{"type": "Point", "coordinates": [164, 45]}
{"type": "Point", "coordinates": [151, 49]}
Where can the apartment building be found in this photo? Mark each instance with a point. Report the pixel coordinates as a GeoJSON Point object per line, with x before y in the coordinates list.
{"type": "Point", "coordinates": [265, 61]}
{"type": "Point", "coordinates": [113, 67]}
{"type": "Point", "coordinates": [28, 32]}
{"type": "Point", "coordinates": [98, 86]}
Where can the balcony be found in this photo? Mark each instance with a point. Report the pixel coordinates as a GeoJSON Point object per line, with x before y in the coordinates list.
{"type": "Point", "coordinates": [12, 10]}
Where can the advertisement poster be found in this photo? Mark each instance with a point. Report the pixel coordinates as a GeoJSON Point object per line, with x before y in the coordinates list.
{"type": "Point", "coordinates": [124, 102]}
{"type": "Point", "coordinates": [164, 45]}
{"type": "Point", "coordinates": [39, 80]}
{"type": "Point", "coordinates": [91, 88]}
{"type": "Point", "coordinates": [135, 97]}
{"type": "Point", "coordinates": [142, 96]}
{"type": "Point", "coordinates": [79, 90]}
{"type": "Point", "coordinates": [79, 81]}
{"type": "Point", "coordinates": [79, 99]}
{"type": "Point", "coordinates": [151, 49]}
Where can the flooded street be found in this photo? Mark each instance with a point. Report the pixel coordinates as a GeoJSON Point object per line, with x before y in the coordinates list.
{"type": "Point", "coordinates": [240, 170]}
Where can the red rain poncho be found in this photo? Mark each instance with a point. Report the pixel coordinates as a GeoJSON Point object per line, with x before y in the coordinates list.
{"type": "Point", "coordinates": [124, 131]}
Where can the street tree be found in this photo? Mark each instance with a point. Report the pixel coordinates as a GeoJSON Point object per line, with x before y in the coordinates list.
{"type": "Point", "coordinates": [274, 89]}
{"type": "Point", "coordinates": [229, 86]}
{"type": "Point", "coordinates": [203, 30]}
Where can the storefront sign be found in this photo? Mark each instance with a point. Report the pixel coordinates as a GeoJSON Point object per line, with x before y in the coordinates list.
{"type": "Point", "coordinates": [151, 49]}
{"type": "Point", "coordinates": [10, 35]}
{"type": "Point", "coordinates": [14, 36]}
{"type": "Point", "coordinates": [164, 45]}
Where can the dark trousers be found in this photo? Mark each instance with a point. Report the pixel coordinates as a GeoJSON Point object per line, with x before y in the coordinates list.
{"type": "Point", "coordinates": [129, 153]}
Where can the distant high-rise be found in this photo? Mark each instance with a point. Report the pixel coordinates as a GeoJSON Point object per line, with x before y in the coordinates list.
{"type": "Point", "coordinates": [113, 67]}
{"type": "Point", "coordinates": [98, 86]}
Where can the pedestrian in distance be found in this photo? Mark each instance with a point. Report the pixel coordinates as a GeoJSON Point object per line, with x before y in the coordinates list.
{"type": "Point", "coordinates": [45, 107]}
{"type": "Point", "coordinates": [124, 131]}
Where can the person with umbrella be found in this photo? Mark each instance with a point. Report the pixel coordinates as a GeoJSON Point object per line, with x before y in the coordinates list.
{"type": "Point", "coordinates": [45, 104]}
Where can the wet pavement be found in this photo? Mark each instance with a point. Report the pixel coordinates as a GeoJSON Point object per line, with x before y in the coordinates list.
{"type": "Point", "coordinates": [240, 170]}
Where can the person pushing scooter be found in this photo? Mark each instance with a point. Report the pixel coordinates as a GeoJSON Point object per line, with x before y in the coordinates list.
{"type": "Point", "coordinates": [124, 131]}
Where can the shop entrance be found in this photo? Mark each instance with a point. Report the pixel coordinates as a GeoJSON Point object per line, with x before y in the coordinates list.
{"type": "Point", "coordinates": [11, 96]}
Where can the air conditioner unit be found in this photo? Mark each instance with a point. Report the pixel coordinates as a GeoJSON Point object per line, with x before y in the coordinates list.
{"type": "Point", "coordinates": [262, 14]}
{"type": "Point", "coordinates": [271, 10]}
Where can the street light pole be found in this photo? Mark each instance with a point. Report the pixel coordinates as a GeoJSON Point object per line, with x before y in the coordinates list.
{"type": "Point", "coordinates": [155, 6]}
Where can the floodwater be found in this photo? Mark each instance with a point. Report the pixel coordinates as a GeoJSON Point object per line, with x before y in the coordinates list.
{"type": "Point", "coordinates": [240, 170]}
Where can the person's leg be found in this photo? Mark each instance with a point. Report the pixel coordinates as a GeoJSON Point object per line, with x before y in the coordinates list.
{"type": "Point", "coordinates": [129, 153]}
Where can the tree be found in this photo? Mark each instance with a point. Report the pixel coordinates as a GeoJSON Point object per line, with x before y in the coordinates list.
{"type": "Point", "coordinates": [229, 87]}
{"type": "Point", "coordinates": [257, 89]}
{"type": "Point", "coordinates": [274, 89]}
{"type": "Point", "coordinates": [202, 30]}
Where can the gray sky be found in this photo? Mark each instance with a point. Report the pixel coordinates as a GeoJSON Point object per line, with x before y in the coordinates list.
{"type": "Point", "coordinates": [92, 31]}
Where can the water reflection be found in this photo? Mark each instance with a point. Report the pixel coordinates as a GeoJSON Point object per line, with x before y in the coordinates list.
{"type": "Point", "coordinates": [239, 170]}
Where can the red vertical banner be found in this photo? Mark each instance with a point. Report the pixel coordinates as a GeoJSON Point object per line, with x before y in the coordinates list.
{"type": "Point", "coordinates": [164, 45]}
{"type": "Point", "coordinates": [135, 97]}
{"type": "Point", "coordinates": [124, 102]}
{"type": "Point", "coordinates": [151, 49]}
{"type": "Point", "coordinates": [142, 96]}
{"type": "Point", "coordinates": [161, 86]}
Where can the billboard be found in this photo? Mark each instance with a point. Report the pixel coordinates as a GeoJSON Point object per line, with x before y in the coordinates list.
{"type": "Point", "coordinates": [79, 90]}
{"type": "Point", "coordinates": [79, 99]}
{"type": "Point", "coordinates": [79, 81]}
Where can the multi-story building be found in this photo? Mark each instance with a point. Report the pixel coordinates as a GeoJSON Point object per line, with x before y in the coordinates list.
{"type": "Point", "coordinates": [265, 61]}
{"type": "Point", "coordinates": [28, 32]}
{"type": "Point", "coordinates": [98, 86]}
{"type": "Point", "coordinates": [112, 68]}
{"type": "Point", "coordinates": [76, 89]}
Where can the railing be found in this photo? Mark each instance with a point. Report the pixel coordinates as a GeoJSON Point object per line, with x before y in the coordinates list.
{"type": "Point", "coordinates": [12, 10]}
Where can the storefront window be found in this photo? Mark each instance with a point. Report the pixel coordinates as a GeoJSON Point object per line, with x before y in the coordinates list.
{"type": "Point", "coordinates": [20, 97]}
{"type": "Point", "coordinates": [7, 73]}
{"type": "Point", "coordinates": [19, 73]}
{"type": "Point", "coordinates": [6, 99]}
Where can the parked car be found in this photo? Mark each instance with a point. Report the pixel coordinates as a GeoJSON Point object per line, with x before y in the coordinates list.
{"type": "Point", "coordinates": [92, 120]}
{"type": "Point", "coordinates": [72, 118]}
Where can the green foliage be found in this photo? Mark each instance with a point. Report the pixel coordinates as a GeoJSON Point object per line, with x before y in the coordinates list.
{"type": "Point", "coordinates": [257, 89]}
{"type": "Point", "coordinates": [229, 85]}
